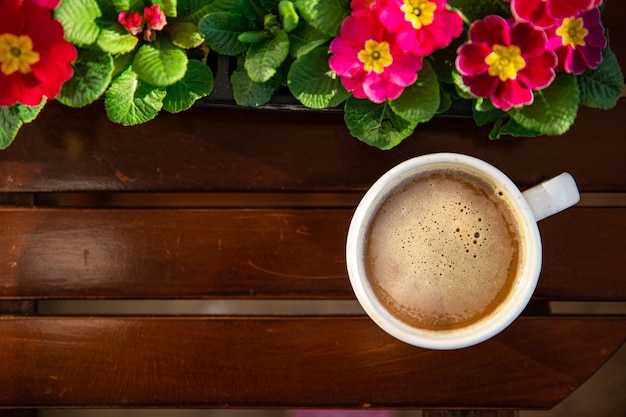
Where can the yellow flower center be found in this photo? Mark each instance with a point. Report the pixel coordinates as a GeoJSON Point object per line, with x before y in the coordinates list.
{"type": "Point", "coordinates": [505, 62]}
{"type": "Point", "coordinates": [572, 32]}
{"type": "Point", "coordinates": [419, 12]}
{"type": "Point", "coordinates": [16, 53]}
{"type": "Point", "coordinates": [375, 56]}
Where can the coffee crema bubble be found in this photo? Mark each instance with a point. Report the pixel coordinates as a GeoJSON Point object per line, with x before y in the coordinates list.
{"type": "Point", "coordinates": [443, 250]}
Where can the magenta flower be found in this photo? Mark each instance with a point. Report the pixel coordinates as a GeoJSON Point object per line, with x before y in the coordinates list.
{"type": "Point", "coordinates": [363, 6]}
{"type": "Point", "coordinates": [544, 13]}
{"type": "Point", "coordinates": [154, 17]}
{"type": "Point", "coordinates": [421, 26]}
{"type": "Point", "coordinates": [369, 62]}
{"type": "Point", "coordinates": [505, 62]}
{"type": "Point", "coordinates": [131, 21]}
{"type": "Point", "coordinates": [578, 42]}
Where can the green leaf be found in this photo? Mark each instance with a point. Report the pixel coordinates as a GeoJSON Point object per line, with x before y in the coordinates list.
{"type": "Point", "coordinates": [264, 58]}
{"type": "Point", "coordinates": [12, 118]}
{"type": "Point", "coordinates": [508, 126]}
{"type": "Point", "coordinates": [78, 18]}
{"type": "Point", "coordinates": [197, 83]}
{"type": "Point", "coordinates": [474, 10]}
{"type": "Point", "coordinates": [130, 101]}
{"type": "Point", "coordinates": [109, 12]}
{"type": "Point", "coordinates": [601, 88]}
{"type": "Point", "coordinates": [252, 10]}
{"type": "Point", "coordinates": [120, 63]}
{"type": "Point", "coordinates": [10, 124]}
{"type": "Point", "coordinates": [114, 39]}
{"type": "Point", "coordinates": [255, 36]}
{"type": "Point", "coordinates": [168, 7]}
{"type": "Point", "coordinates": [249, 93]}
{"type": "Point", "coordinates": [376, 124]}
{"type": "Point", "coordinates": [128, 5]}
{"type": "Point", "coordinates": [184, 34]}
{"type": "Point", "coordinates": [554, 109]}
{"type": "Point", "coordinates": [29, 113]}
{"type": "Point", "coordinates": [461, 89]}
{"type": "Point", "coordinates": [194, 10]}
{"type": "Point", "coordinates": [324, 15]}
{"type": "Point", "coordinates": [485, 116]}
{"type": "Point", "coordinates": [269, 6]}
{"type": "Point", "coordinates": [484, 113]}
{"type": "Point", "coordinates": [92, 75]}
{"type": "Point", "coordinates": [289, 18]}
{"type": "Point", "coordinates": [485, 104]}
{"type": "Point", "coordinates": [121, 4]}
{"type": "Point", "coordinates": [305, 38]}
{"type": "Point", "coordinates": [444, 60]}
{"type": "Point", "coordinates": [271, 23]}
{"type": "Point", "coordinates": [312, 82]}
{"type": "Point", "coordinates": [160, 63]}
{"type": "Point", "coordinates": [445, 101]}
{"type": "Point", "coordinates": [220, 31]}
{"type": "Point", "coordinates": [447, 93]}
{"type": "Point", "coordinates": [420, 101]}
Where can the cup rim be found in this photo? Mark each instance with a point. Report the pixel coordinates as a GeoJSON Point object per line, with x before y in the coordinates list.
{"type": "Point", "coordinates": [475, 333]}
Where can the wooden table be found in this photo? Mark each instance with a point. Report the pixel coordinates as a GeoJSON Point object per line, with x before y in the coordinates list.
{"type": "Point", "coordinates": [222, 203]}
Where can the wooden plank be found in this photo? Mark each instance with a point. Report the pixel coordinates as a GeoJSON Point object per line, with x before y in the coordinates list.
{"type": "Point", "coordinates": [583, 255]}
{"type": "Point", "coordinates": [264, 253]}
{"type": "Point", "coordinates": [290, 362]}
{"type": "Point", "coordinates": [214, 149]}
{"type": "Point", "coordinates": [613, 20]}
{"type": "Point", "coordinates": [173, 253]}
{"type": "Point", "coordinates": [471, 413]}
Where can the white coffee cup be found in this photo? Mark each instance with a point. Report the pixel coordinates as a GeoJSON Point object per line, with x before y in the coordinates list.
{"type": "Point", "coordinates": [529, 207]}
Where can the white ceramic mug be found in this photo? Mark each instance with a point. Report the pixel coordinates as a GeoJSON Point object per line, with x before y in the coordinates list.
{"type": "Point", "coordinates": [530, 206]}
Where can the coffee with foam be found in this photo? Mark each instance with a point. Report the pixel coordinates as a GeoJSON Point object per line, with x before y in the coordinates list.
{"type": "Point", "coordinates": [443, 250]}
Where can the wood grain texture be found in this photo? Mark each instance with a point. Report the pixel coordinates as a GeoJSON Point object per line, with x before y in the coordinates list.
{"type": "Point", "coordinates": [241, 150]}
{"type": "Point", "coordinates": [471, 413]}
{"type": "Point", "coordinates": [613, 21]}
{"type": "Point", "coordinates": [290, 362]}
{"type": "Point", "coordinates": [174, 253]}
{"type": "Point", "coordinates": [263, 253]}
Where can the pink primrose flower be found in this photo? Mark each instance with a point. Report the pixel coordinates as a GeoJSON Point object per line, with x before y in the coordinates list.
{"type": "Point", "coordinates": [544, 13]}
{"type": "Point", "coordinates": [369, 61]}
{"type": "Point", "coordinates": [505, 61]}
{"type": "Point", "coordinates": [35, 58]}
{"type": "Point", "coordinates": [421, 26]}
{"type": "Point", "coordinates": [363, 6]}
{"type": "Point", "coordinates": [131, 21]}
{"type": "Point", "coordinates": [154, 17]}
{"type": "Point", "coordinates": [578, 42]}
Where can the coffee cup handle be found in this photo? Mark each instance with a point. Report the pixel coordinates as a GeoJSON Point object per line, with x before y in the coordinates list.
{"type": "Point", "coordinates": [552, 196]}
